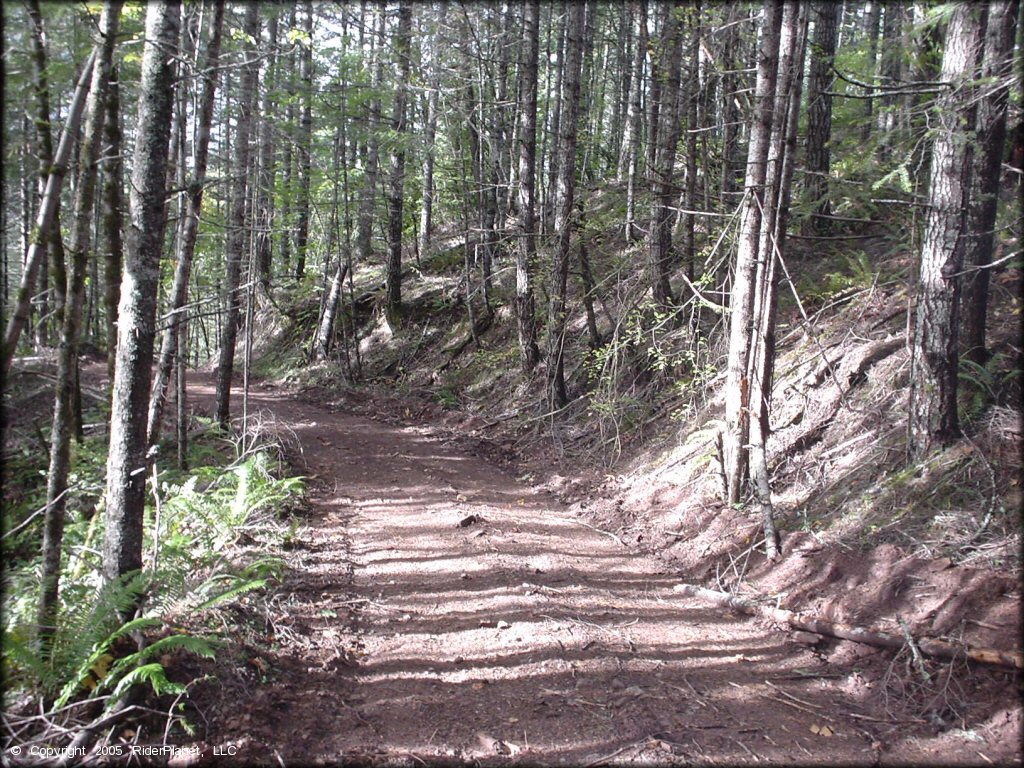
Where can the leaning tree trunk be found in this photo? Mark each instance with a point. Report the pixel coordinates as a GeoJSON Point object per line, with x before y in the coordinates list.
{"type": "Point", "coordinates": [237, 233]}
{"type": "Point", "coordinates": [190, 228]}
{"type": "Point", "coordinates": [396, 193]}
{"type": "Point", "coordinates": [526, 253]}
{"type": "Point", "coordinates": [53, 247]}
{"type": "Point", "coordinates": [67, 359]}
{"type": "Point", "coordinates": [819, 114]}
{"type": "Point", "coordinates": [935, 351]}
{"type": "Point", "coordinates": [136, 328]}
{"type": "Point", "coordinates": [997, 69]}
{"type": "Point", "coordinates": [737, 397]}
{"type": "Point", "coordinates": [45, 219]}
{"type": "Point", "coordinates": [565, 202]}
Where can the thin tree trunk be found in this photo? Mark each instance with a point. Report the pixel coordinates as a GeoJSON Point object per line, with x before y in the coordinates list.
{"type": "Point", "coordinates": [67, 359]}
{"type": "Point", "coordinates": [45, 219]}
{"type": "Point", "coordinates": [53, 246]}
{"type": "Point", "coordinates": [631, 144]}
{"type": "Point", "coordinates": [125, 491]}
{"type": "Point", "coordinates": [997, 68]}
{"type": "Point", "coordinates": [190, 227]}
{"type": "Point", "coordinates": [819, 115]}
{"type": "Point", "coordinates": [305, 143]}
{"type": "Point", "coordinates": [564, 224]}
{"type": "Point", "coordinates": [113, 219]}
{"type": "Point", "coordinates": [935, 351]}
{"type": "Point", "coordinates": [526, 253]}
{"type": "Point", "coordinates": [267, 170]}
{"type": "Point", "coordinates": [770, 250]}
{"type": "Point", "coordinates": [237, 233]}
{"type": "Point", "coordinates": [368, 197]}
{"type": "Point", "coordinates": [667, 70]}
{"type": "Point", "coordinates": [737, 398]}
{"type": "Point", "coordinates": [429, 133]}
{"type": "Point", "coordinates": [396, 196]}
{"type": "Point", "coordinates": [872, 17]}
{"type": "Point", "coordinates": [325, 331]}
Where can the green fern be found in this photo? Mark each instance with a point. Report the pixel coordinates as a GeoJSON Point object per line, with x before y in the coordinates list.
{"type": "Point", "coordinates": [154, 674]}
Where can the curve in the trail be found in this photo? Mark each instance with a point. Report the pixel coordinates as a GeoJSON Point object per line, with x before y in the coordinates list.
{"type": "Point", "coordinates": [437, 609]}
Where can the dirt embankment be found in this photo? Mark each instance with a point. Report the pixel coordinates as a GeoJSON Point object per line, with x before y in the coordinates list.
{"type": "Point", "coordinates": [440, 610]}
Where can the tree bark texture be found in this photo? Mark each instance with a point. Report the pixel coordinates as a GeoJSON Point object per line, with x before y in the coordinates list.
{"type": "Point", "coordinates": [526, 253]}
{"type": "Point", "coordinates": [935, 350]}
{"type": "Point", "coordinates": [819, 113]}
{"type": "Point", "coordinates": [667, 70]}
{"type": "Point", "coordinates": [190, 227]}
{"type": "Point", "coordinates": [396, 192]}
{"type": "Point", "coordinates": [741, 330]}
{"type": "Point", "coordinates": [997, 73]}
{"type": "Point", "coordinates": [67, 359]}
{"type": "Point", "coordinates": [126, 460]}
{"type": "Point", "coordinates": [565, 205]}
{"type": "Point", "coordinates": [305, 143]}
{"type": "Point", "coordinates": [45, 218]}
{"type": "Point", "coordinates": [237, 236]}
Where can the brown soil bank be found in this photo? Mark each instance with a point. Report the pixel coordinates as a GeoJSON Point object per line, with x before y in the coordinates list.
{"type": "Point", "coordinates": [440, 611]}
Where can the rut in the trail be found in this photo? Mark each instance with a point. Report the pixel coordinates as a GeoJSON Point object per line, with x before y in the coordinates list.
{"type": "Point", "coordinates": [521, 634]}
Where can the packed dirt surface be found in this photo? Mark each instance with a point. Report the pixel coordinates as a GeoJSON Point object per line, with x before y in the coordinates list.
{"type": "Point", "coordinates": [438, 610]}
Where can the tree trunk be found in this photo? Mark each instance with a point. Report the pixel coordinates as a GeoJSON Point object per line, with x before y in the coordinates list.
{"type": "Point", "coordinates": [125, 492]}
{"type": "Point", "coordinates": [935, 351]}
{"type": "Point", "coordinates": [53, 247]}
{"type": "Point", "coordinates": [819, 115]}
{"type": "Point", "coordinates": [890, 71]}
{"type": "Point", "coordinates": [429, 134]}
{"type": "Point", "coordinates": [190, 228]}
{"type": "Point", "coordinates": [113, 219]}
{"type": "Point", "coordinates": [997, 68]}
{"type": "Point", "coordinates": [771, 247]}
{"type": "Point", "coordinates": [305, 143]}
{"type": "Point", "coordinates": [564, 224]}
{"type": "Point", "coordinates": [631, 143]}
{"type": "Point", "coordinates": [368, 197]}
{"type": "Point", "coordinates": [667, 70]}
{"type": "Point", "coordinates": [67, 359]}
{"type": "Point", "coordinates": [396, 193]}
{"type": "Point", "coordinates": [730, 111]}
{"type": "Point", "coordinates": [267, 171]}
{"type": "Point", "coordinates": [237, 232]}
{"type": "Point", "coordinates": [45, 219]}
{"type": "Point", "coordinates": [737, 397]}
{"type": "Point", "coordinates": [526, 253]}
{"type": "Point", "coordinates": [872, 17]}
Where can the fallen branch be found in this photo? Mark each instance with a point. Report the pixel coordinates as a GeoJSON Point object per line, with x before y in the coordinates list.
{"type": "Point", "coordinates": [929, 645]}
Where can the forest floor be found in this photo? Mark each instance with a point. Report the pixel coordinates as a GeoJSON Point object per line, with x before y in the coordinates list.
{"type": "Point", "coordinates": [437, 609]}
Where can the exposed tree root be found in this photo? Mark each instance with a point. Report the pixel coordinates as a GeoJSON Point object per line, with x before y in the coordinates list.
{"type": "Point", "coordinates": [929, 645]}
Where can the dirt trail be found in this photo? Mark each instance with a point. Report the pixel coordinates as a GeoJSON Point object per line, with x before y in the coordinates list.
{"type": "Point", "coordinates": [521, 635]}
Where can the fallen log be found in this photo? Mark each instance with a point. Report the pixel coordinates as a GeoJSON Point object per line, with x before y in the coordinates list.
{"type": "Point", "coordinates": [932, 646]}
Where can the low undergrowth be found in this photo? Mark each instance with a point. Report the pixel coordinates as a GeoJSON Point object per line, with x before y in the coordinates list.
{"type": "Point", "coordinates": [213, 538]}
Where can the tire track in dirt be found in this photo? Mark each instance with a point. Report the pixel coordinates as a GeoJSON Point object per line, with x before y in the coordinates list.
{"type": "Point", "coordinates": [518, 635]}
